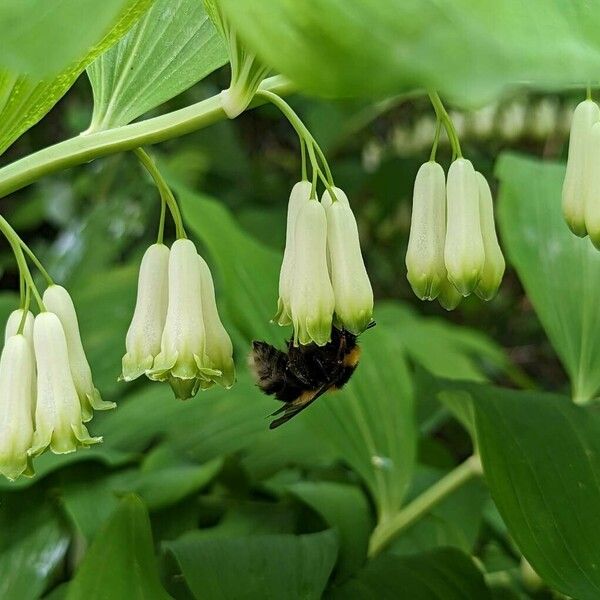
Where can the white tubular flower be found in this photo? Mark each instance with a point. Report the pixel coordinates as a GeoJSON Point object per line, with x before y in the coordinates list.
{"type": "Point", "coordinates": [351, 286]}
{"type": "Point", "coordinates": [299, 195]}
{"type": "Point", "coordinates": [463, 252]}
{"type": "Point", "coordinates": [58, 301]}
{"type": "Point", "coordinates": [145, 332]}
{"type": "Point", "coordinates": [591, 186]}
{"type": "Point", "coordinates": [58, 418]}
{"type": "Point", "coordinates": [312, 301]}
{"type": "Point", "coordinates": [17, 397]}
{"type": "Point", "coordinates": [573, 205]}
{"type": "Point", "coordinates": [219, 349]}
{"type": "Point", "coordinates": [493, 268]}
{"type": "Point", "coordinates": [12, 328]}
{"type": "Point", "coordinates": [182, 360]}
{"type": "Point", "coordinates": [449, 297]}
{"type": "Point", "coordinates": [425, 254]}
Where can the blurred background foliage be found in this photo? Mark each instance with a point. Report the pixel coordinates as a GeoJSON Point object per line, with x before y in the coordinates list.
{"type": "Point", "coordinates": [224, 495]}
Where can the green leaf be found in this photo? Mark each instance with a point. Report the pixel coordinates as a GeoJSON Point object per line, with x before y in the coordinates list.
{"type": "Point", "coordinates": [442, 574]}
{"type": "Point", "coordinates": [274, 567]}
{"type": "Point", "coordinates": [25, 97]}
{"type": "Point", "coordinates": [559, 271]}
{"type": "Point", "coordinates": [120, 563]}
{"type": "Point", "coordinates": [541, 457]}
{"type": "Point", "coordinates": [368, 47]}
{"type": "Point", "coordinates": [371, 423]}
{"type": "Point", "coordinates": [172, 47]}
{"type": "Point", "coordinates": [33, 544]}
{"type": "Point", "coordinates": [343, 507]}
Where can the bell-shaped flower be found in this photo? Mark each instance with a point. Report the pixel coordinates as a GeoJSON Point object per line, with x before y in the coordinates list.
{"type": "Point", "coordinates": [182, 360]}
{"type": "Point", "coordinates": [464, 254]}
{"type": "Point", "coordinates": [351, 286]}
{"type": "Point", "coordinates": [449, 297]}
{"type": "Point", "coordinates": [591, 186]}
{"type": "Point", "coordinates": [299, 195]}
{"type": "Point", "coordinates": [145, 331]}
{"type": "Point", "coordinates": [17, 397]}
{"type": "Point", "coordinates": [12, 328]}
{"type": "Point", "coordinates": [573, 201]}
{"type": "Point", "coordinates": [219, 349]}
{"type": "Point", "coordinates": [58, 301]}
{"type": "Point", "coordinates": [312, 301]}
{"type": "Point", "coordinates": [493, 268]}
{"type": "Point", "coordinates": [58, 414]}
{"type": "Point", "coordinates": [425, 254]}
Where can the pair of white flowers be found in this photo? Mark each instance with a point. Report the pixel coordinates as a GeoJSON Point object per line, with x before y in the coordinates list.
{"type": "Point", "coordinates": [581, 188]}
{"type": "Point", "coordinates": [323, 280]}
{"type": "Point", "coordinates": [46, 387]}
{"type": "Point", "coordinates": [453, 249]}
{"type": "Point", "coordinates": [176, 334]}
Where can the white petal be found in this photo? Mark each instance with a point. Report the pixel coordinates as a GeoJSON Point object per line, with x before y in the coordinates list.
{"type": "Point", "coordinates": [591, 186]}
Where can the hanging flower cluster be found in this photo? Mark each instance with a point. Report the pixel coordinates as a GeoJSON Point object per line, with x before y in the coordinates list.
{"type": "Point", "coordinates": [453, 249]}
{"type": "Point", "coordinates": [323, 279]}
{"type": "Point", "coordinates": [176, 334]}
{"type": "Point", "coordinates": [581, 188]}
{"type": "Point", "coordinates": [46, 387]}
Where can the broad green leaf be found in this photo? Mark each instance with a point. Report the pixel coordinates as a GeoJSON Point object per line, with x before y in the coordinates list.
{"type": "Point", "coordinates": [26, 97]}
{"type": "Point", "coordinates": [541, 457]}
{"type": "Point", "coordinates": [369, 47]}
{"type": "Point", "coordinates": [33, 544]}
{"type": "Point", "coordinates": [172, 47]}
{"type": "Point", "coordinates": [276, 567]}
{"type": "Point", "coordinates": [344, 508]}
{"type": "Point", "coordinates": [371, 423]}
{"type": "Point", "coordinates": [559, 271]}
{"type": "Point", "coordinates": [442, 574]}
{"type": "Point", "coordinates": [120, 563]}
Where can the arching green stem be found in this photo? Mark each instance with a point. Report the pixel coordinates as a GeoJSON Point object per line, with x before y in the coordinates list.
{"type": "Point", "coordinates": [443, 116]}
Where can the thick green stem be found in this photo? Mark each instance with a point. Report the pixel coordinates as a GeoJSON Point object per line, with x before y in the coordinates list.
{"type": "Point", "coordinates": [387, 530]}
{"type": "Point", "coordinates": [85, 148]}
{"type": "Point", "coordinates": [444, 117]}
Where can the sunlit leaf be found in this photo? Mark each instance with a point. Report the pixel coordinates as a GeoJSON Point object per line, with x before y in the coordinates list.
{"type": "Point", "coordinates": [120, 563]}
{"type": "Point", "coordinates": [559, 271]}
{"type": "Point", "coordinates": [541, 457]}
{"type": "Point", "coordinates": [172, 47]}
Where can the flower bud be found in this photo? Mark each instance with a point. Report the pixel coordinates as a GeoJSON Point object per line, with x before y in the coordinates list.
{"type": "Point", "coordinates": [449, 297]}
{"type": "Point", "coordinates": [351, 286]}
{"type": "Point", "coordinates": [425, 254]}
{"type": "Point", "coordinates": [493, 268]}
{"type": "Point", "coordinates": [299, 195]}
{"type": "Point", "coordinates": [512, 120]}
{"type": "Point", "coordinates": [182, 359]}
{"type": "Point", "coordinates": [586, 114]}
{"type": "Point", "coordinates": [312, 301]}
{"type": "Point", "coordinates": [591, 186]}
{"type": "Point", "coordinates": [219, 348]}
{"type": "Point", "coordinates": [145, 332]}
{"type": "Point", "coordinates": [58, 418]}
{"type": "Point", "coordinates": [463, 251]}
{"type": "Point", "coordinates": [58, 301]}
{"type": "Point", "coordinates": [17, 397]}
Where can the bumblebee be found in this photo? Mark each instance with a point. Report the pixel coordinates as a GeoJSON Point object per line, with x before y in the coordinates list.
{"type": "Point", "coordinates": [299, 376]}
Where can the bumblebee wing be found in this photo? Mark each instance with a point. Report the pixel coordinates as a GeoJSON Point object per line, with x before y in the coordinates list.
{"type": "Point", "coordinates": [291, 409]}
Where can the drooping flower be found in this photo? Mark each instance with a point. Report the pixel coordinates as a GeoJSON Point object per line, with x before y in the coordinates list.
{"type": "Point", "coordinates": [58, 415]}
{"type": "Point", "coordinates": [312, 301]}
{"type": "Point", "coordinates": [573, 201]}
{"type": "Point", "coordinates": [12, 328]}
{"type": "Point", "coordinates": [58, 301]}
{"type": "Point", "coordinates": [299, 195]}
{"type": "Point", "coordinates": [182, 360]}
{"type": "Point", "coordinates": [145, 332]}
{"type": "Point", "coordinates": [449, 297]}
{"type": "Point", "coordinates": [464, 254]}
{"type": "Point", "coordinates": [351, 286]}
{"type": "Point", "coordinates": [426, 270]}
{"type": "Point", "coordinates": [219, 348]}
{"type": "Point", "coordinates": [17, 397]}
{"type": "Point", "coordinates": [591, 186]}
{"type": "Point", "coordinates": [494, 265]}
